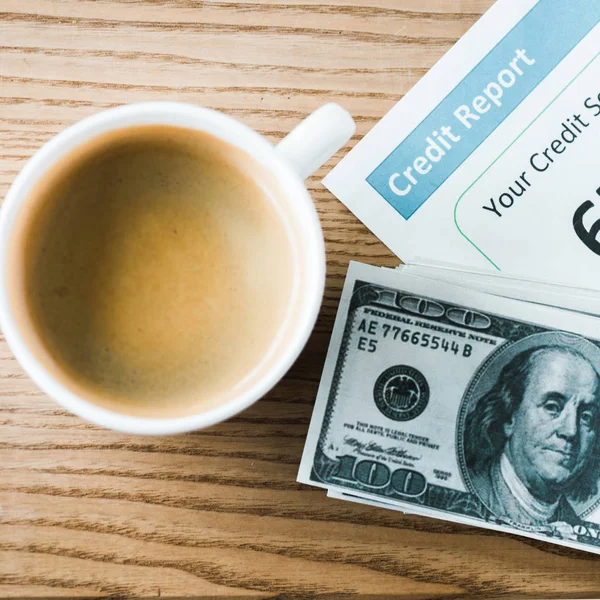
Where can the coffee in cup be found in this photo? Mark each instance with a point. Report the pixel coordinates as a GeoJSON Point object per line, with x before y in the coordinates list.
{"type": "Point", "coordinates": [154, 266]}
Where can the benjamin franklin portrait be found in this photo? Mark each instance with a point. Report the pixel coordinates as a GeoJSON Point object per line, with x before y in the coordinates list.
{"type": "Point", "coordinates": [532, 435]}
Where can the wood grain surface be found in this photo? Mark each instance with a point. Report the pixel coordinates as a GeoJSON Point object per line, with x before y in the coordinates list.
{"type": "Point", "coordinates": [218, 513]}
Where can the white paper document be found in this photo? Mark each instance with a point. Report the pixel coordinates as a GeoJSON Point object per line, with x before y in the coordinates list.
{"type": "Point", "coordinates": [493, 160]}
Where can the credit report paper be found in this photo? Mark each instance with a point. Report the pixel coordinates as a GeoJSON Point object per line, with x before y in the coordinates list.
{"type": "Point", "coordinates": [493, 159]}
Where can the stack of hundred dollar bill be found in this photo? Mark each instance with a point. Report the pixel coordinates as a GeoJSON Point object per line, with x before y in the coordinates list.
{"type": "Point", "coordinates": [463, 396]}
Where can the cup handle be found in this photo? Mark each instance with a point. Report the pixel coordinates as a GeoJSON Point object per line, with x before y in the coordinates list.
{"type": "Point", "coordinates": [316, 139]}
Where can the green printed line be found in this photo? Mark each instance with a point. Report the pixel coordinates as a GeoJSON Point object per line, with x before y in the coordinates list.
{"type": "Point", "coordinates": [504, 152]}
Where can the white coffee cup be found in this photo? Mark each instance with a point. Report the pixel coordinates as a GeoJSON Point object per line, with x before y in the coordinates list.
{"type": "Point", "coordinates": [296, 157]}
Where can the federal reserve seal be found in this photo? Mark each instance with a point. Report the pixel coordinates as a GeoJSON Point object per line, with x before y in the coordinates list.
{"type": "Point", "coordinates": [401, 393]}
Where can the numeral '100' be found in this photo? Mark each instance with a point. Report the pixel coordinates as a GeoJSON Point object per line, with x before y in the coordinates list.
{"type": "Point", "coordinates": [376, 475]}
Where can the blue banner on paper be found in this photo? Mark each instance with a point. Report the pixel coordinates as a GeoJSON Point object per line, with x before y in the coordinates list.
{"type": "Point", "coordinates": [482, 101]}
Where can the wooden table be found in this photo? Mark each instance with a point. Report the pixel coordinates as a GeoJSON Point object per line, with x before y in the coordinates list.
{"type": "Point", "coordinates": [89, 512]}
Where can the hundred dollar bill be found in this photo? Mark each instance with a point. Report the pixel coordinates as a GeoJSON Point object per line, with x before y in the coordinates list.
{"type": "Point", "coordinates": [337, 495]}
{"type": "Point", "coordinates": [460, 405]}
{"type": "Point", "coordinates": [540, 292]}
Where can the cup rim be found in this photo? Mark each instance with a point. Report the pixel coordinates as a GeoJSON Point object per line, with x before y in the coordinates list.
{"type": "Point", "coordinates": [228, 129]}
